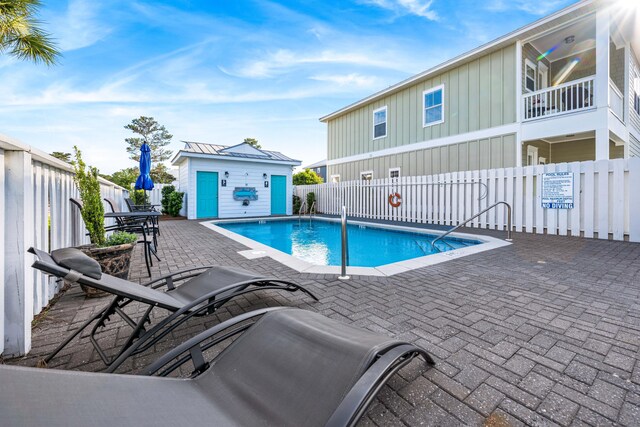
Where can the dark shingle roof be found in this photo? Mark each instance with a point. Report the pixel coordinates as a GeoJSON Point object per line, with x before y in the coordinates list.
{"type": "Point", "coordinates": [222, 150]}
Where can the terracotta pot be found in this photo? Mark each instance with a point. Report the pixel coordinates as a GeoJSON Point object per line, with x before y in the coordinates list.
{"type": "Point", "coordinates": [114, 260]}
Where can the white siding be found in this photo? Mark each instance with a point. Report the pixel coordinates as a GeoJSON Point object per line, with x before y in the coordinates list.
{"type": "Point", "coordinates": [183, 185]}
{"type": "Point", "coordinates": [241, 174]}
{"type": "Point", "coordinates": [634, 73]}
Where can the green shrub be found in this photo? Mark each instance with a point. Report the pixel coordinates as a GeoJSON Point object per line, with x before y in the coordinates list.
{"type": "Point", "coordinates": [140, 197]}
{"type": "Point", "coordinates": [311, 197]}
{"type": "Point", "coordinates": [175, 203]}
{"type": "Point", "coordinates": [120, 238]}
{"type": "Point", "coordinates": [166, 193]}
{"type": "Point", "coordinates": [306, 177]}
{"type": "Point", "coordinates": [296, 204]}
{"type": "Point", "coordinates": [86, 179]}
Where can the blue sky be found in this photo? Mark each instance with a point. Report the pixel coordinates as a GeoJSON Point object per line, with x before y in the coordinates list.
{"type": "Point", "coordinates": [219, 71]}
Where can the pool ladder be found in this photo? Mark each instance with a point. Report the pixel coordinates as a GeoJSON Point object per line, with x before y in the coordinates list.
{"type": "Point", "coordinates": [466, 221]}
{"type": "Point", "coordinates": [302, 210]}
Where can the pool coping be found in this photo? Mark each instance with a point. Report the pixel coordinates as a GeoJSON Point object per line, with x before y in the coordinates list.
{"type": "Point", "coordinates": [259, 250]}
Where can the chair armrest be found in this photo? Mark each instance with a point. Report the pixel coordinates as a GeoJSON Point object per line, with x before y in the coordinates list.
{"type": "Point", "coordinates": [365, 389]}
{"type": "Point", "coordinates": [193, 345]}
{"type": "Point", "coordinates": [168, 278]}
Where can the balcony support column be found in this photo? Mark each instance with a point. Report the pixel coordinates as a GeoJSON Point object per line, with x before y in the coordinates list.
{"type": "Point", "coordinates": [602, 83]}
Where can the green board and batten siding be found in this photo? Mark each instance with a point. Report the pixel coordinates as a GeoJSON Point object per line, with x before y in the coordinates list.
{"type": "Point", "coordinates": [478, 95]}
{"type": "Point", "coordinates": [489, 153]}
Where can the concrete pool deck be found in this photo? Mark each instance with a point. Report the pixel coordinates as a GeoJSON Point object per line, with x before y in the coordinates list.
{"type": "Point", "coordinates": [545, 331]}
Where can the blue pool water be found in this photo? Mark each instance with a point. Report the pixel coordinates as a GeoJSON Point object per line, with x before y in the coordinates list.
{"type": "Point", "coordinates": [318, 242]}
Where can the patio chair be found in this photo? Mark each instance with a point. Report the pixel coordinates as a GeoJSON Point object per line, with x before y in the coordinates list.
{"type": "Point", "coordinates": [133, 207]}
{"type": "Point", "coordinates": [289, 367]}
{"type": "Point", "coordinates": [130, 228]}
{"type": "Point", "coordinates": [193, 292]}
{"type": "Point", "coordinates": [153, 227]}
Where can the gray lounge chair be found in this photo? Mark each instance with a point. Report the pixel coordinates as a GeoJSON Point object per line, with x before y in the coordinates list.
{"type": "Point", "coordinates": [200, 291]}
{"type": "Point", "coordinates": [290, 367]}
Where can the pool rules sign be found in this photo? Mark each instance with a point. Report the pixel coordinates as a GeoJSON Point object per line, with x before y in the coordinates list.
{"type": "Point", "coordinates": [557, 190]}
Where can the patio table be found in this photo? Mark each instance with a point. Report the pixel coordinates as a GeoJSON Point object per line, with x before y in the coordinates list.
{"type": "Point", "coordinates": [144, 216]}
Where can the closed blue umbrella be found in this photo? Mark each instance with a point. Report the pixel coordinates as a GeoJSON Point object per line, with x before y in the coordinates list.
{"type": "Point", "coordinates": [144, 181]}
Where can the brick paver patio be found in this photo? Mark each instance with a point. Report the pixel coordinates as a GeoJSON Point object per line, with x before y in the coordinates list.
{"type": "Point", "coordinates": [543, 332]}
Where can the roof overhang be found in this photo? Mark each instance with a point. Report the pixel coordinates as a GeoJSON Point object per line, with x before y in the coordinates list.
{"type": "Point", "coordinates": [555, 19]}
{"type": "Point", "coordinates": [180, 155]}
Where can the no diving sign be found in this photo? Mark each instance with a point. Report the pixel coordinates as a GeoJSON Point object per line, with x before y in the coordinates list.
{"type": "Point", "coordinates": [557, 190]}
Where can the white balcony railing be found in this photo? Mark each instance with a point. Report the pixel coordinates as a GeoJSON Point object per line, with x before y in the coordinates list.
{"type": "Point", "coordinates": [616, 101]}
{"type": "Point", "coordinates": [569, 97]}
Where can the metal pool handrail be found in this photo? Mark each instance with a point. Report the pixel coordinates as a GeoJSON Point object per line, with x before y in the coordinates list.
{"type": "Point", "coordinates": [345, 245]}
{"type": "Point", "coordinates": [433, 243]}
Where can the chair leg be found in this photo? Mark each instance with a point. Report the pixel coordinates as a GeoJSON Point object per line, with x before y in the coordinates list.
{"type": "Point", "coordinates": [76, 333]}
{"type": "Point", "coordinates": [146, 258]}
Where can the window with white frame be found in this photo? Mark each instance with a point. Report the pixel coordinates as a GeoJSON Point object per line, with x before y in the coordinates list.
{"type": "Point", "coordinates": [394, 173]}
{"type": "Point", "coordinates": [433, 103]}
{"type": "Point", "coordinates": [530, 74]}
{"type": "Point", "coordinates": [380, 123]}
{"type": "Point", "coordinates": [335, 178]}
{"type": "Point", "coordinates": [366, 175]}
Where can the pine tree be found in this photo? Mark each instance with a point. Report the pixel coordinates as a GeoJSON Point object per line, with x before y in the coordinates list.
{"type": "Point", "coordinates": [151, 132]}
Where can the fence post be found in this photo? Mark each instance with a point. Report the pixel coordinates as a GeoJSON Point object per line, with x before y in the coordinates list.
{"type": "Point", "coordinates": [18, 274]}
{"type": "Point", "coordinates": [634, 199]}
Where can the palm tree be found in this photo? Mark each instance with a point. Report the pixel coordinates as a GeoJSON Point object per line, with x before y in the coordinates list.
{"type": "Point", "coordinates": [20, 34]}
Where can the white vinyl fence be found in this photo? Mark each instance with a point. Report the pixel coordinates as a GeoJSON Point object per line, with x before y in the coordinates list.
{"type": "Point", "coordinates": [606, 199]}
{"type": "Point", "coordinates": [35, 211]}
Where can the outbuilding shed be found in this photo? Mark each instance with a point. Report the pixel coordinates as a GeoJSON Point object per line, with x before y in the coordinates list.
{"type": "Point", "coordinates": [234, 182]}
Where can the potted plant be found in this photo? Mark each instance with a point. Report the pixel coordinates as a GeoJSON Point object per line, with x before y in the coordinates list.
{"type": "Point", "coordinates": [113, 253]}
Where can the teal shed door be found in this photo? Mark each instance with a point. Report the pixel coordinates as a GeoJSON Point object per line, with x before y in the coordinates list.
{"type": "Point", "coordinates": [207, 194]}
{"type": "Point", "coordinates": [278, 195]}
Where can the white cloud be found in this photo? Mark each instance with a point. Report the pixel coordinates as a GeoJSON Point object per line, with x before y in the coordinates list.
{"type": "Point", "coordinates": [539, 8]}
{"type": "Point", "coordinates": [284, 60]}
{"type": "Point", "coordinates": [353, 79]}
{"type": "Point", "coordinates": [419, 8]}
{"type": "Point", "coordinates": [80, 26]}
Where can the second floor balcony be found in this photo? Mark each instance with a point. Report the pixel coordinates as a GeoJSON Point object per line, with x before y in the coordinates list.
{"type": "Point", "coordinates": [570, 97]}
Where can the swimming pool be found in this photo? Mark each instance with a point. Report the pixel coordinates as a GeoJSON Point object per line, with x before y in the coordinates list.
{"type": "Point", "coordinates": [319, 242]}
{"type": "Point", "coordinates": [374, 249]}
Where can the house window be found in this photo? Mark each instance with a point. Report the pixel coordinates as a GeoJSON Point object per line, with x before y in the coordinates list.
{"type": "Point", "coordinates": [394, 173]}
{"type": "Point", "coordinates": [433, 106]}
{"type": "Point", "coordinates": [380, 122]}
{"type": "Point", "coordinates": [366, 175]}
{"type": "Point", "coordinates": [335, 178]}
{"type": "Point", "coordinates": [529, 76]}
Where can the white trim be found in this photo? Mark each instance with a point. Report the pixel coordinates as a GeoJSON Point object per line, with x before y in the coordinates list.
{"type": "Point", "coordinates": [543, 70]}
{"type": "Point", "coordinates": [534, 67]}
{"type": "Point", "coordinates": [448, 140]}
{"type": "Point", "coordinates": [424, 107]}
{"type": "Point", "coordinates": [335, 176]}
{"type": "Point", "coordinates": [386, 122]}
{"type": "Point", "coordinates": [369, 172]}
{"type": "Point", "coordinates": [182, 153]}
{"type": "Point", "coordinates": [394, 170]}
{"type": "Point", "coordinates": [501, 41]}
{"type": "Point", "coordinates": [518, 66]}
{"type": "Point", "coordinates": [260, 250]}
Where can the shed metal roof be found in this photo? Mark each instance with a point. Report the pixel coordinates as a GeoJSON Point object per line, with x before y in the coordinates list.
{"type": "Point", "coordinates": [227, 151]}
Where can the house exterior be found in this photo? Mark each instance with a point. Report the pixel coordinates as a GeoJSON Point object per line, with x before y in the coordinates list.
{"type": "Point", "coordinates": [564, 88]}
{"type": "Point", "coordinates": [320, 168]}
{"type": "Point", "coordinates": [234, 182]}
